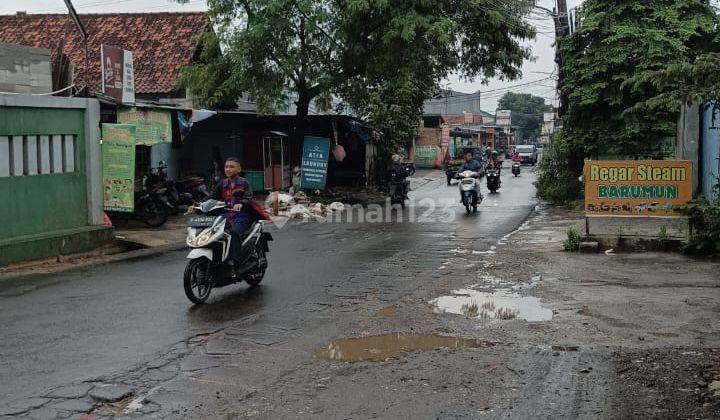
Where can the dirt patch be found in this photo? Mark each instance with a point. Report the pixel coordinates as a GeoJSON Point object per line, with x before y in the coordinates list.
{"type": "Point", "coordinates": [669, 383]}
{"type": "Point", "coordinates": [390, 310]}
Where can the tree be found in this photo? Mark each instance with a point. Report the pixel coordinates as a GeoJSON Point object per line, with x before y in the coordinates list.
{"type": "Point", "coordinates": [527, 112]}
{"type": "Point", "coordinates": [608, 65]}
{"type": "Point", "coordinates": [383, 58]}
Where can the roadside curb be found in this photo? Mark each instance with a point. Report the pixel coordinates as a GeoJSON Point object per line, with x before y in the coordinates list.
{"type": "Point", "coordinates": [103, 259]}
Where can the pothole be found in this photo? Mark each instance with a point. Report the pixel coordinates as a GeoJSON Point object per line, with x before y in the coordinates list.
{"type": "Point", "coordinates": [376, 348]}
{"type": "Point", "coordinates": [500, 304]}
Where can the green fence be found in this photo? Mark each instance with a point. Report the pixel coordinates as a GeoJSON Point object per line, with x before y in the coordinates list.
{"type": "Point", "coordinates": [43, 181]}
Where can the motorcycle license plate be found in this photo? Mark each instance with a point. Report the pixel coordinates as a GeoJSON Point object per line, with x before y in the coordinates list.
{"type": "Point", "coordinates": [201, 221]}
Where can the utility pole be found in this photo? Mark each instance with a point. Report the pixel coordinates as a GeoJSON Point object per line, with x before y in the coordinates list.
{"type": "Point", "coordinates": [562, 28]}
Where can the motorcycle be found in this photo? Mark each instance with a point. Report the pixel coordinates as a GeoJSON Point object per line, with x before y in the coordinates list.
{"type": "Point", "coordinates": [192, 190]}
{"type": "Point", "coordinates": [516, 169]}
{"type": "Point", "coordinates": [209, 242]}
{"type": "Point", "coordinates": [493, 179]}
{"type": "Point", "coordinates": [469, 184]}
{"type": "Point", "coordinates": [179, 195]}
{"type": "Point", "coordinates": [398, 187]}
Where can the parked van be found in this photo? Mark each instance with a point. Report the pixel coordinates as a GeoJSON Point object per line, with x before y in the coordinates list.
{"type": "Point", "coordinates": [527, 153]}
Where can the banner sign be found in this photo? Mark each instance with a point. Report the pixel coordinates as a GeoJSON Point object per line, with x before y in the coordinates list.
{"type": "Point", "coordinates": [503, 118]}
{"type": "Point", "coordinates": [118, 73]}
{"type": "Point", "coordinates": [151, 126]}
{"type": "Point", "coordinates": [313, 172]}
{"type": "Point", "coordinates": [548, 117]}
{"type": "Point", "coordinates": [118, 167]}
{"type": "Point", "coordinates": [637, 188]}
{"type": "Point", "coordinates": [445, 135]}
{"type": "Point", "coordinates": [425, 152]}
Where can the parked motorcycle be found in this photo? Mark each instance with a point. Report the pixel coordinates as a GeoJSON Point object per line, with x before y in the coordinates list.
{"type": "Point", "coordinates": [469, 185]}
{"type": "Point", "coordinates": [516, 169]}
{"type": "Point", "coordinates": [192, 190]}
{"type": "Point", "coordinates": [208, 267]}
{"type": "Point", "coordinates": [179, 194]}
{"type": "Point", "coordinates": [493, 179]}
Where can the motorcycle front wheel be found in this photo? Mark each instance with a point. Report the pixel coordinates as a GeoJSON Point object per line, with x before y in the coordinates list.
{"type": "Point", "coordinates": [197, 280]}
{"type": "Point", "coordinates": [152, 213]}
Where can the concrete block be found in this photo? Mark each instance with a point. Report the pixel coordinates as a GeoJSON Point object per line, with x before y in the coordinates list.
{"type": "Point", "coordinates": [589, 247]}
{"type": "Point", "coordinates": [630, 226]}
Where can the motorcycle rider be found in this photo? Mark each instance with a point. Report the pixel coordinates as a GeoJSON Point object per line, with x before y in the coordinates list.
{"type": "Point", "coordinates": [471, 164]}
{"type": "Point", "coordinates": [397, 168]}
{"type": "Point", "coordinates": [237, 193]}
{"type": "Point", "coordinates": [493, 161]}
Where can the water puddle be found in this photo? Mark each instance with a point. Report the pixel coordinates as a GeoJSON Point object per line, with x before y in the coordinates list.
{"type": "Point", "coordinates": [376, 348]}
{"type": "Point", "coordinates": [500, 304]}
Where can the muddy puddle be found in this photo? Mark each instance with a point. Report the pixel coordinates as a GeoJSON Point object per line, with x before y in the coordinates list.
{"type": "Point", "coordinates": [388, 346]}
{"type": "Point", "coordinates": [500, 304]}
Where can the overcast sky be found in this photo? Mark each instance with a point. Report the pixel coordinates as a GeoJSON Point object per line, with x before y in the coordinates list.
{"type": "Point", "coordinates": [533, 72]}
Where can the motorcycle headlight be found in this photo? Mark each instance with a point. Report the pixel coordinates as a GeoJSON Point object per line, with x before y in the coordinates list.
{"type": "Point", "coordinates": [203, 239]}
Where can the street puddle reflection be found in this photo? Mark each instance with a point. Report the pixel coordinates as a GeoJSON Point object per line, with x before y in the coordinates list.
{"type": "Point", "coordinates": [376, 348]}
{"type": "Point", "coordinates": [501, 304]}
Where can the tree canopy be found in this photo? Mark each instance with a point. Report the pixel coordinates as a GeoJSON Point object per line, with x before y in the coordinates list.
{"type": "Point", "coordinates": [610, 68]}
{"type": "Point", "coordinates": [527, 112]}
{"type": "Point", "coordinates": [383, 58]}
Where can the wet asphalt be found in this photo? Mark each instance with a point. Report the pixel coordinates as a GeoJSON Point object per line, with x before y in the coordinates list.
{"type": "Point", "coordinates": [91, 323]}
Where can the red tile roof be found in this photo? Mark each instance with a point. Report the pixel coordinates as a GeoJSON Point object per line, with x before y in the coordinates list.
{"type": "Point", "coordinates": [161, 43]}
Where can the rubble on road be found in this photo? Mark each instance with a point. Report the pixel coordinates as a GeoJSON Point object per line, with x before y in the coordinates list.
{"type": "Point", "coordinates": [299, 206]}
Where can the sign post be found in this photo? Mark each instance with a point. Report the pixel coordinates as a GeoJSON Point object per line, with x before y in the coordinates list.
{"type": "Point", "coordinates": [313, 172]}
{"type": "Point", "coordinates": [637, 188]}
{"type": "Point", "coordinates": [118, 167]}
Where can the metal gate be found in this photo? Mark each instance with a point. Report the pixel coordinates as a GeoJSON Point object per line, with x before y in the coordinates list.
{"type": "Point", "coordinates": [710, 153]}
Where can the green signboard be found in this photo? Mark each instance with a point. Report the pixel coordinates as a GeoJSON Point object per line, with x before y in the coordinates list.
{"type": "Point", "coordinates": [152, 126]}
{"type": "Point", "coordinates": [118, 162]}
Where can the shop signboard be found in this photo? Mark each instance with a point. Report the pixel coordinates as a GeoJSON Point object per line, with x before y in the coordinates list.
{"type": "Point", "coordinates": [118, 167]}
{"type": "Point", "coordinates": [637, 188]}
{"type": "Point", "coordinates": [313, 171]}
{"type": "Point", "coordinates": [152, 126]}
{"type": "Point", "coordinates": [118, 73]}
{"type": "Point", "coordinates": [503, 118]}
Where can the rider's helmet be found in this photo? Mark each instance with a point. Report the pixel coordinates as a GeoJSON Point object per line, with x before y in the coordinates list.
{"type": "Point", "coordinates": [494, 153]}
{"type": "Point", "coordinates": [396, 158]}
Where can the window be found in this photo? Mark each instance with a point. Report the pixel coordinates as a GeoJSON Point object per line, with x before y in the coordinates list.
{"type": "Point", "coordinates": [37, 154]}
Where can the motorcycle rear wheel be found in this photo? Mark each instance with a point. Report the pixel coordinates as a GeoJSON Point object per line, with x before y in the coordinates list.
{"type": "Point", "coordinates": [197, 280]}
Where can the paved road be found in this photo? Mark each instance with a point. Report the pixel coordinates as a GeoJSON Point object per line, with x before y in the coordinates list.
{"type": "Point", "coordinates": [95, 323]}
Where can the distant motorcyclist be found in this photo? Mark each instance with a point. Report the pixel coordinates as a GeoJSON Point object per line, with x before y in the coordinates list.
{"type": "Point", "coordinates": [494, 161]}
{"type": "Point", "coordinates": [397, 172]}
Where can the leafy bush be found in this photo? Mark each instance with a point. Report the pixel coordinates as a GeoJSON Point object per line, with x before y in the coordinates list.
{"type": "Point", "coordinates": [557, 183]}
{"type": "Point", "coordinates": [572, 243]}
{"type": "Point", "coordinates": [663, 239]}
{"type": "Point", "coordinates": [704, 225]}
